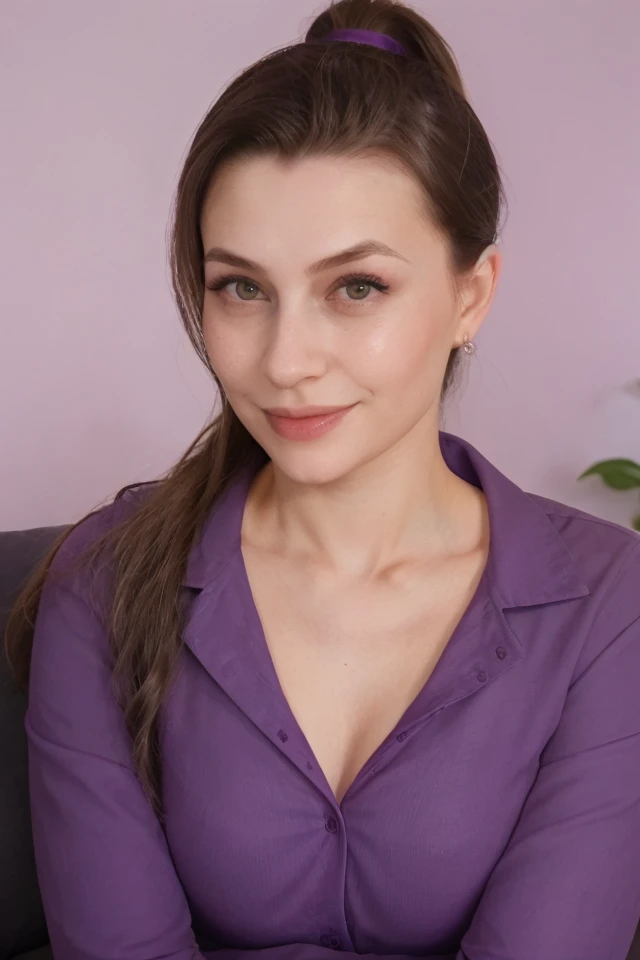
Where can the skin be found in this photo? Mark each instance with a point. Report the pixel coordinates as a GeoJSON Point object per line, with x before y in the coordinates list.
{"type": "Point", "coordinates": [373, 499]}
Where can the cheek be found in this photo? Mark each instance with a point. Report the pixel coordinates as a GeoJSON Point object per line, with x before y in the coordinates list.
{"type": "Point", "coordinates": [229, 353]}
{"type": "Point", "coordinates": [405, 356]}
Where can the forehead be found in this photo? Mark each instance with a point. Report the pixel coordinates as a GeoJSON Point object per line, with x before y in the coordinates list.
{"type": "Point", "coordinates": [318, 202]}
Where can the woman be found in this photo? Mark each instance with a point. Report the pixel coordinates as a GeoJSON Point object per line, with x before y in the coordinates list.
{"type": "Point", "coordinates": [335, 683]}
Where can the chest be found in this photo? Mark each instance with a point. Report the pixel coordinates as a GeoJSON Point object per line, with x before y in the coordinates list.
{"type": "Point", "coordinates": [409, 850]}
{"type": "Point", "coordinates": [350, 659]}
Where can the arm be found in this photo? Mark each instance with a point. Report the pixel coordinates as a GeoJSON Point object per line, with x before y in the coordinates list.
{"type": "Point", "coordinates": [107, 880]}
{"type": "Point", "coordinates": [568, 885]}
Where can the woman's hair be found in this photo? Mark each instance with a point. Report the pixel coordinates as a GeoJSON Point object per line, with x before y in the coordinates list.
{"type": "Point", "coordinates": [311, 99]}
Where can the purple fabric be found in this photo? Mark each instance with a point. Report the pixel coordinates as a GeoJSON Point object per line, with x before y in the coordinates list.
{"type": "Point", "coordinates": [367, 36]}
{"type": "Point", "coordinates": [499, 820]}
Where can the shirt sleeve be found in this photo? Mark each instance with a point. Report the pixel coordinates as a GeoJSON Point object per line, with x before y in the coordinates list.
{"type": "Point", "coordinates": [108, 884]}
{"type": "Point", "coordinates": [568, 884]}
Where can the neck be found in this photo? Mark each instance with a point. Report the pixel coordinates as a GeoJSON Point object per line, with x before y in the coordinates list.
{"type": "Point", "coordinates": [404, 506]}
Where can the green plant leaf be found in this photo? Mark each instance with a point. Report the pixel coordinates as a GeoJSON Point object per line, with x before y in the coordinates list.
{"type": "Point", "coordinates": [618, 474]}
{"type": "Point", "coordinates": [635, 523]}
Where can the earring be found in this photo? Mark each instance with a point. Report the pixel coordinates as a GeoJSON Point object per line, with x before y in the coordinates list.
{"type": "Point", "coordinates": [468, 346]}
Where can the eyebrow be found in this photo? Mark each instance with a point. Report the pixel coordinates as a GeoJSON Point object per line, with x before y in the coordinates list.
{"type": "Point", "coordinates": [366, 248]}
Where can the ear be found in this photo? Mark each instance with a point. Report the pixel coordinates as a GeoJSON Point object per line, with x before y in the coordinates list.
{"type": "Point", "coordinates": [477, 294]}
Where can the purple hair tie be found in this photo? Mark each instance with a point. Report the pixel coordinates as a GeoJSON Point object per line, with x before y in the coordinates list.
{"type": "Point", "coordinates": [367, 36]}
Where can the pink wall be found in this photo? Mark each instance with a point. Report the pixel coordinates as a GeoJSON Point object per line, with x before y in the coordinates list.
{"type": "Point", "coordinates": [98, 102]}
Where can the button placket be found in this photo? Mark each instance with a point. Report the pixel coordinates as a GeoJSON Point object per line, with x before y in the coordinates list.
{"type": "Point", "coordinates": [286, 735]}
{"type": "Point", "coordinates": [331, 937]}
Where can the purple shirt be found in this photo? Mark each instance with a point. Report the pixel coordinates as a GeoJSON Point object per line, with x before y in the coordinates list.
{"type": "Point", "coordinates": [499, 820]}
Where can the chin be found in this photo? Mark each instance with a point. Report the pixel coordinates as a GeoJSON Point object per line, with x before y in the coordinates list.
{"type": "Point", "coordinates": [313, 463]}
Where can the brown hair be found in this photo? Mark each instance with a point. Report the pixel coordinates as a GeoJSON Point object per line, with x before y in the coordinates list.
{"type": "Point", "coordinates": [307, 99]}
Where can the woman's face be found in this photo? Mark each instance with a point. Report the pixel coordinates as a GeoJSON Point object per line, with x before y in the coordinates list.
{"type": "Point", "coordinates": [288, 324]}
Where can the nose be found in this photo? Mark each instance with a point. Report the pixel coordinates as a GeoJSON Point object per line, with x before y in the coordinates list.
{"type": "Point", "coordinates": [293, 350]}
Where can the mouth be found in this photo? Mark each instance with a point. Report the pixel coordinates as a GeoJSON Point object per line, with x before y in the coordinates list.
{"type": "Point", "coordinates": [303, 425]}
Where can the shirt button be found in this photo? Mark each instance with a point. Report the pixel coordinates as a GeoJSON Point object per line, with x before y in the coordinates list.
{"type": "Point", "coordinates": [482, 677]}
{"type": "Point", "coordinates": [331, 824]}
{"type": "Point", "coordinates": [402, 736]}
{"type": "Point", "coordinates": [501, 653]}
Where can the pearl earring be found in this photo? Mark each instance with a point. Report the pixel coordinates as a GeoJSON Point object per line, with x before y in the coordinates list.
{"type": "Point", "coordinates": [468, 346]}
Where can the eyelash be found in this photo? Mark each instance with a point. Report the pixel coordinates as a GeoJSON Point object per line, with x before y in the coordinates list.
{"type": "Point", "coordinates": [351, 278]}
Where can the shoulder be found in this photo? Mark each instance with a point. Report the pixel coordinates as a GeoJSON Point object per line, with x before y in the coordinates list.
{"type": "Point", "coordinates": [593, 542]}
{"type": "Point", "coordinates": [74, 600]}
{"type": "Point", "coordinates": [67, 563]}
{"type": "Point", "coordinates": [607, 557]}
{"type": "Point", "coordinates": [586, 525]}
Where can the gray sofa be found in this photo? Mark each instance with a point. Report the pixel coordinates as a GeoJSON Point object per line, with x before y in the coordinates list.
{"type": "Point", "coordinates": [23, 932]}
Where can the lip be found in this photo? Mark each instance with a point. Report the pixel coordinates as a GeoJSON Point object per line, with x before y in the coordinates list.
{"type": "Point", "coordinates": [306, 427]}
{"type": "Point", "coordinates": [299, 413]}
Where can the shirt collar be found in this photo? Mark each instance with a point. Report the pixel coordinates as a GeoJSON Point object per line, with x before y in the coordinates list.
{"type": "Point", "coordinates": [528, 562]}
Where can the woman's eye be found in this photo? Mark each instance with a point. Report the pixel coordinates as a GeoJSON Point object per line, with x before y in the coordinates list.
{"type": "Point", "coordinates": [360, 286]}
{"type": "Point", "coordinates": [246, 290]}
